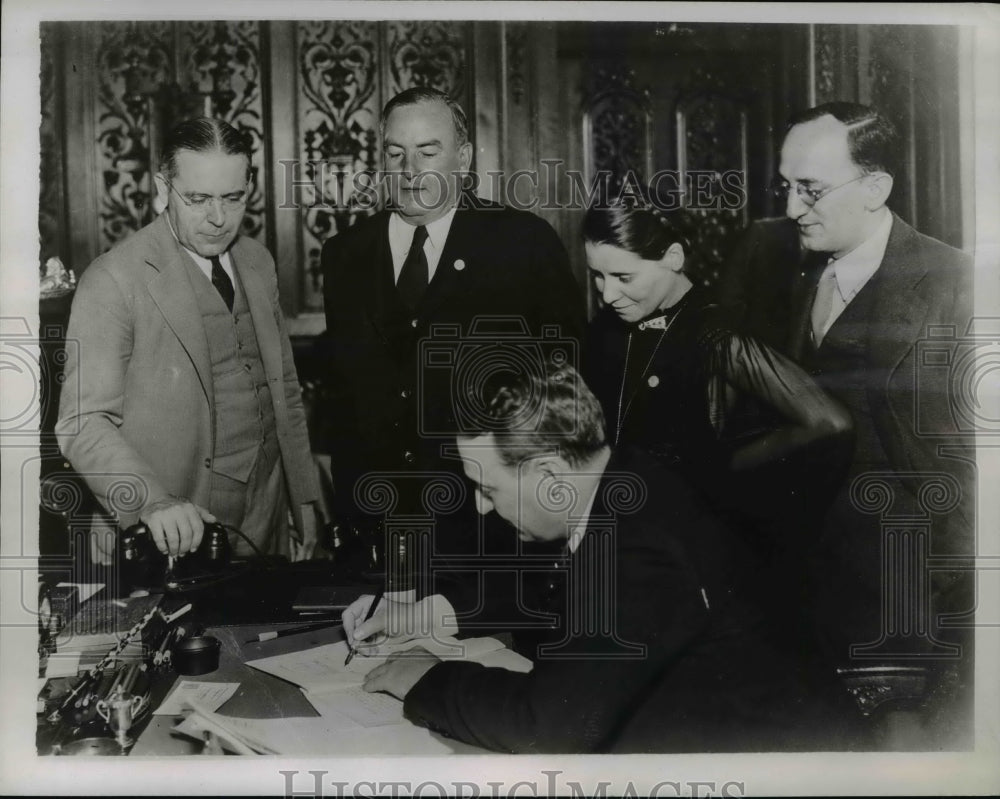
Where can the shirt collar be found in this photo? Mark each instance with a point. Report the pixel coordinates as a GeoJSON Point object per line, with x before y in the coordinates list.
{"type": "Point", "coordinates": [200, 260]}
{"type": "Point", "coordinates": [437, 231]}
{"type": "Point", "coordinates": [661, 318]}
{"type": "Point", "coordinates": [856, 268]}
{"type": "Point", "coordinates": [576, 535]}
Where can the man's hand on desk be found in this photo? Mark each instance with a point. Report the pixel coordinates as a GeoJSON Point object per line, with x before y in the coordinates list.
{"type": "Point", "coordinates": [401, 672]}
{"type": "Point", "coordinates": [176, 524]}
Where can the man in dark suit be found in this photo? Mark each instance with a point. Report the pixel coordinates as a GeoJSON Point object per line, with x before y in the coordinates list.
{"type": "Point", "coordinates": [413, 294]}
{"type": "Point", "coordinates": [849, 290]}
{"type": "Point", "coordinates": [641, 634]}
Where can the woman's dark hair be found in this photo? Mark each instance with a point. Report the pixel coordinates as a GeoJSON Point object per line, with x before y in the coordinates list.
{"type": "Point", "coordinates": [641, 226]}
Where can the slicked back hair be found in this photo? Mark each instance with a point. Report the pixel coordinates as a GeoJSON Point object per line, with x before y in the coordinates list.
{"type": "Point", "coordinates": [203, 135]}
{"type": "Point", "coordinates": [872, 139]}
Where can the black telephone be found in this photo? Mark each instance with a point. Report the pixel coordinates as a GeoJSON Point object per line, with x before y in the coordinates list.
{"type": "Point", "coordinates": [145, 566]}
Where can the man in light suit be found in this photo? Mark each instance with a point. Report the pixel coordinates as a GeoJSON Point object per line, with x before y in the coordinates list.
{"type": "Point", "coordinates": [412, 294]}
{"type": "Point", "coordinates": [848, 289]}
{"type": "Point", "coordinates": [189, 408]}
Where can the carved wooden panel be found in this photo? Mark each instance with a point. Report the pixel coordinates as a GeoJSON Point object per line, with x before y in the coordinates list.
{"type": "Point", "coordinates": [131, 56]}
{"type": "Point", "coordinates": [338, 119]}
{"type": "Point", "coordinates": [222, 64]}
{"type": "Point", "coordinates": [427, 53]}
{"type": "Point", "coordinates": [711, 118]}
{"type": "Point", "coordinates": [617, 125]}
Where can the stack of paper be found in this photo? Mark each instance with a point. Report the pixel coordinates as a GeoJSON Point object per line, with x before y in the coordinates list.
{"type": "Point", "coordinates": [314, 737]}
{"type": "Point", "coordinates": [351, 721]}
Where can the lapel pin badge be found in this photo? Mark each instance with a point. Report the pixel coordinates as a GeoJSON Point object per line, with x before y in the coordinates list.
{"type": "Point", "coordinates": [653, 381]}
{"type": "Point", "coordinates": [459, 265]}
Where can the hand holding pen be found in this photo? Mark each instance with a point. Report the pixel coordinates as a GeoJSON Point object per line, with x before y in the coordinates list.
{"type": "Point", "coordinates": [368, 616]}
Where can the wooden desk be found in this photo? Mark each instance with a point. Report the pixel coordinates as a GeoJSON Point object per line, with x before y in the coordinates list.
{"type": "Point", "coordinates": [263, 696]}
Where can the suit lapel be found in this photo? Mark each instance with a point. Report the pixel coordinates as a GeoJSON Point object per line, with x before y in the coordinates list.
{"type": "Point", "coordinates": [900, 309]}
{"type": "Point", "coordinates": [174, 295]}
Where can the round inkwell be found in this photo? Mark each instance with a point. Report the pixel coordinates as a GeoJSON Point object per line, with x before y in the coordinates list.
{"type": "Point", "coordinates": [198, 655]}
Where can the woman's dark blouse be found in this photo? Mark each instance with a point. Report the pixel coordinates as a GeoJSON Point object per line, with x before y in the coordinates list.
{"type": "Point", "coordinates": [679, 401]}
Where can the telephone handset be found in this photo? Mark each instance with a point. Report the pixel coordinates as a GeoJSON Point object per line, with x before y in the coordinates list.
{"type": "Point", "coordinates": [146, 566]}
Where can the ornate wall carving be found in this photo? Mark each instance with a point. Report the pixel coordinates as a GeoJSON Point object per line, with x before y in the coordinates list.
{"type": "Point", "coordinates": [427, 54]}
{"type": "Point", "coordinates": [338, 118]}
{"type": "Point", "coordinates": [131, 57]}
{"type": "Point", "coordinates": [617, 124]}
{"type": "Point", "coordinates": [711, 116]}
{"type": "Point", "coordinates": [222, 64]}
{"type": "Point", "coordinates": [151, 75]}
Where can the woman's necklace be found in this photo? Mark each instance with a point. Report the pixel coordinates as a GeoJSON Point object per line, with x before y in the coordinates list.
{"type": "Point", "coordinates": [622, 414]}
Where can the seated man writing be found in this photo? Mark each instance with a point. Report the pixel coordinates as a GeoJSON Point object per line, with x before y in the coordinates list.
{"type": "Point", "coordinates": [641, 638]}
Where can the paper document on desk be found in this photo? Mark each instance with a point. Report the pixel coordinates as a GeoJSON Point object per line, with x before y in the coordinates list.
{"type": "Point", "coordinates": [210, 695]}
{"type": "Point", "coordinates": [322, 669]}
{"type": "Point", "coordinates": [318, 669]}
{"type": "Point", "coordinates": [313, 737]}
{"type": "Point", "coordinates": [367, 709]}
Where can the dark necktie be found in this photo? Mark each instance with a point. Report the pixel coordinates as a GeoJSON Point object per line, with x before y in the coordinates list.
{"type": "Point", "coordinates": [222, 282]}
{"type": "Point", "coordinates": [412, 281]}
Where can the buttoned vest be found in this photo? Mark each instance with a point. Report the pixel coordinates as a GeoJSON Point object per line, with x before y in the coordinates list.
{"type": "Point", "coordinates": [244, 414]}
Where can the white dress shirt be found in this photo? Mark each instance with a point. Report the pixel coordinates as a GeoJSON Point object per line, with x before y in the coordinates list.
{"type": "Point", "coordinates": [854, 270]}
{"type": "Point", "coordinates": [204, 264]}
{"type": "Point", "coordinates": [401, 237]}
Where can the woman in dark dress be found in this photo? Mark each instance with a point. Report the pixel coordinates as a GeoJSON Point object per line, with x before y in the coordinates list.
{"type": "Point", "coordinates": [745, 424]}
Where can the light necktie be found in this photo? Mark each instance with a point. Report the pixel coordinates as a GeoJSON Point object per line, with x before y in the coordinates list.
{"type": "Point", "coordinates": [412, 281]}
{"type": "Point", "coordinates": [222, 282]}
{"type": "Point", "coordinates": [827, 294]}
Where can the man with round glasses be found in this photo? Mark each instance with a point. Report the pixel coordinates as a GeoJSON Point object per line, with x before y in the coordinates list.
{"type": "Point", "coordinates": [849, 290]}
{"type": "Point", "coordinates": [189, 408]}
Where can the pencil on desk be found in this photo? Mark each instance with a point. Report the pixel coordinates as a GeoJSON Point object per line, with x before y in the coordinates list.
{"type": "Point", "coordinates": [368, 615]}
{"type": "Point", "coordinates": [302, 628]}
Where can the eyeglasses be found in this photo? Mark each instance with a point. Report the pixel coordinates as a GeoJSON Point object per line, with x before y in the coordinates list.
{"type": "Point", "coordinates": [781, 188]}
{"type": "Point", "coordinates": [203, 202]}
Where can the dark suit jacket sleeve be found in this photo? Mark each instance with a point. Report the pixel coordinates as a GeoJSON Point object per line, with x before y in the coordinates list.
{"type": "Point", "coordinates": [574, 704]}
{"type": "Point", "coordinates": [340, 422]}
{"type": "Point", "coordinates": [757, 279]}
{"type": "Point", "coordinates": [558, 295]}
